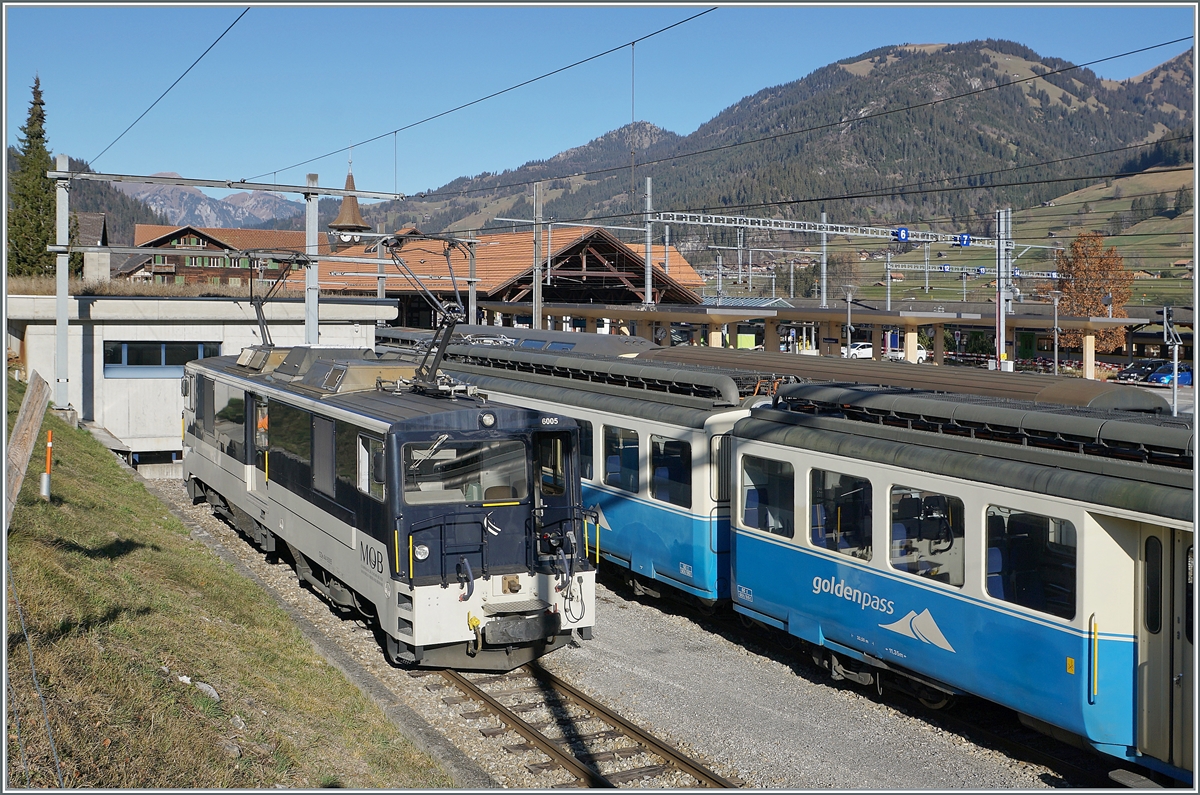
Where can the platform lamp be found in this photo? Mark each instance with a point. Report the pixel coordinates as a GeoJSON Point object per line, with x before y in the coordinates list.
{"type": "Point", "coordinates": [1055, 295]}
{"type": "Point", "coordinates": [848, 289]}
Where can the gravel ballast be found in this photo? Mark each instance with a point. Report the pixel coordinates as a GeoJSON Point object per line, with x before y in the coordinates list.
{"type": "Point", "coordinates": [761, 717]}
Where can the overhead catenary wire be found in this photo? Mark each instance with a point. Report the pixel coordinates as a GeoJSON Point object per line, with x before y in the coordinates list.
{"type": "Point", "coordinates": [185, 72]}
{"type": "Point", "coordinates": [492, 95]}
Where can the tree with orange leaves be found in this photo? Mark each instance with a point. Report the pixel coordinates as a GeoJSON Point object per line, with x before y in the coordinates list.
{"type": "Point", "coordinates": [1086, 273]}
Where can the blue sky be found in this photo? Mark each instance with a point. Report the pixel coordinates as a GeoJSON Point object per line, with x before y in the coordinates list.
{"type": "Point", "coordinates": [291, 83]}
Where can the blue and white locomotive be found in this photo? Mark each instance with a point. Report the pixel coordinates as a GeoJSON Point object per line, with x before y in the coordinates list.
{"type": "Point", "coordinates": [454, 523]}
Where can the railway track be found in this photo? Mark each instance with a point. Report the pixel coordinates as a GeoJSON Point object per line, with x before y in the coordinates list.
{"type": "Point", "coordinates": [984, 723]}
{"type": "Point", "coordinates": [561, 728]}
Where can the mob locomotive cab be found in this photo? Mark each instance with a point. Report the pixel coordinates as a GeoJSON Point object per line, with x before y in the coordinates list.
{"type": "Point", "coordinates": [454, 523]}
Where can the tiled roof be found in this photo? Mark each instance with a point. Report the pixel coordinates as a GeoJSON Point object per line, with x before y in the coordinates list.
{"type": "Point", "coordinates": [233, 239]}
{"type": "Point", "coordinates": [499, 258]}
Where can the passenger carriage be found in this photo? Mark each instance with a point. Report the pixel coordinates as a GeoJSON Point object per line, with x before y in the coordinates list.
{"type": "Point", "coordinates": [453, 522]}
{"type": "Point", "coordinates": [955, 546]}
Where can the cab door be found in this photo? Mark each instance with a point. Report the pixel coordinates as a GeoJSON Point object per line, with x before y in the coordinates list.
{"type": "Point", "coordinates": [257, 464]}
{"type": "Point", "coordinates": [554, 487]}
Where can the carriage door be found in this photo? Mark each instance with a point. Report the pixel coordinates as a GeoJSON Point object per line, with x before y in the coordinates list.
{"type": "Point", "coordinates": [1165, 677]}
{"type": "Point", "coordinates": [1183, 675]}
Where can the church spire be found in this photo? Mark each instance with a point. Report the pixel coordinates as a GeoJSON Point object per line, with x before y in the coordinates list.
{"type": "Point", "coordinates": [349, 219]}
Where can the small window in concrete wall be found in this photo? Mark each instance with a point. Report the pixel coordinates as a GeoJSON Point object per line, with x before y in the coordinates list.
{"type": "Point", "coordinates": [154, 359]}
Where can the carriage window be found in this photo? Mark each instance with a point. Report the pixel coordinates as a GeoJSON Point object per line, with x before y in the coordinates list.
{"type": "Point", "coordinates": [323, 455]}
{"type": "Point", "coordinates": [585, 449]}
{"type": "Point", "coordinates": [720, 465]}
{"type": "Point", "coordinates": [1031, 560]}
{"type": "Point", "coordinates": [841, 513]}
{"type": "Point", "coordinates": [621, 458]}
{"type": "Point", "coordinates": [550, 468]}
{"type": "Point", "coordinates": [768, 496]}
{"type": "Point", "coordinates": [1189, 596]}
{"type": "Point", "coordinates": [1152, 600]}
{"type": "Point", "coordinates": [927, 534]}
{"type": "Point", "coordinates": [671, 471]}
{"type": "Point", "coordinates": [445, 471]}
{"type": "Point", "coordinates": [370, 452]}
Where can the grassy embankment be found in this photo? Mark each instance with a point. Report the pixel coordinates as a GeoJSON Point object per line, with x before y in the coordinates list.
{"type": "Point", "coordinates": [113, 590]}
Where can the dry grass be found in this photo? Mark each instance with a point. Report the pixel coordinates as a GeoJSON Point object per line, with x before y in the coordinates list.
{"type": "Point", "coordinates": [112, 590]}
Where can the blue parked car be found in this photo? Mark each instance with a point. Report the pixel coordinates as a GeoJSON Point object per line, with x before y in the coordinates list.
{"type": "Point", "coordinates": [1162, 376]}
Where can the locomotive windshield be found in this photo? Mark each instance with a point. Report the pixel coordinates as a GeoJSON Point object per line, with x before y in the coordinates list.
{"type": "Point", "coordinates": [445, 471]}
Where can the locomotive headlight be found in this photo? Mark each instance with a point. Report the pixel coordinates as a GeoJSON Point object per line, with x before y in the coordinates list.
{"type": "Point", "coordinates": [421, 552]}
{"type": "Point", "coordinates": [487, 419]}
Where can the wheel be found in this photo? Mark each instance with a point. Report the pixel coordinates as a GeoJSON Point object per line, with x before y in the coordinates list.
{"type": "Point", "coordinates": [936, 700]}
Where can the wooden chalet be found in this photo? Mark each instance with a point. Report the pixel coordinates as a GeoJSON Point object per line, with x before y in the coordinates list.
{"type": "Point", "coordinates": [205, 255]}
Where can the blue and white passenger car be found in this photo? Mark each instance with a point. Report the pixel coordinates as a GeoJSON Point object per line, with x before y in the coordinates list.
{"type": "Point", "coordinates": [1042, 560]}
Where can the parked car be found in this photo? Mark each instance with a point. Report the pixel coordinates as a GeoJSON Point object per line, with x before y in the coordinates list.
{"type": "Point", "coordinates": [1163, 375]}
{"type": "Point", "coordinates": [898, 353]}
{"type": "Point", "coordinates": [859, 350]}
{"type": "Point", "coordinates": [1139, 370]}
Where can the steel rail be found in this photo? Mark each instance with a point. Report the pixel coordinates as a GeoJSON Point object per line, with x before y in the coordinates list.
{"type": "Point", "coordinates": [532, 735]}
{"type": "Point", "coordinates": [652, 744]}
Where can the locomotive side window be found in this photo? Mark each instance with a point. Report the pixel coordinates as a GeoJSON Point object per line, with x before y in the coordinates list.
{"type": "Point", "coordinates": [621, 458]}
{"type": "Point", "coordinates": [204, 401]}
{"type": "Point", "coordinates": [345, 456]}
{"type": "Point", "coordinates": [551, 472]}
{"type": "Point", "coordinates": [290, 448]}
{"type": "Point", "coordinates": [927, 534]}
{"type": "Point", "coordinates": [585, 450]}
{"type": "Point", "coordinates": [671, 471]}
{"type": "Point", "coordinates": [1031, 560]}
{"type": "Point", "coordinates": [323, 456]}
{"type": "Point", "coordinates": [228, 419]}
{"type": "Point", "coordinates": [841, 513]}
{"type": "Point", "coordinates": [369, 450]}
{"type": "Point", "coordinates": [768, 494]}
{"type": "Point", "coordinates": [444, 471]}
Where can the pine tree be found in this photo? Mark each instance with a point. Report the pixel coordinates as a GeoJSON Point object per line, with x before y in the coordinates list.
{"type": "Point", "coordinates": [1183, 200]}
{"type": "Point", "coordinates": [1087, 272]}
{"type": "Point", "coordinates": [31, 213]}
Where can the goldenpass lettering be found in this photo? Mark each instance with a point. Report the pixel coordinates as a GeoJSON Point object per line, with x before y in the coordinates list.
{"type": "Point", "coordinates": [840, 590]}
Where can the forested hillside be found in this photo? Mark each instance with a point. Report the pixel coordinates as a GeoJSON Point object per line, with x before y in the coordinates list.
{"type": "Point", "coordinates": [122, 212]}
{"type": "Point", "coordinates": [984, 115]}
